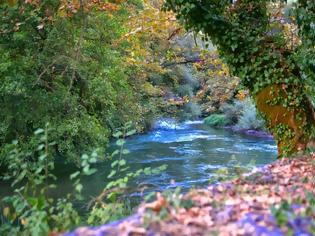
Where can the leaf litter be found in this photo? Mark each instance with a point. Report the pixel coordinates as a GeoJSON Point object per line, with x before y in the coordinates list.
{"type": "Point", "coordinates": [277, 200]}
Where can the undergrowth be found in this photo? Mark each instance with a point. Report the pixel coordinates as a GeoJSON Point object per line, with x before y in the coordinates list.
{"type": "Point", "coordinates": [240, 114]}
{"type": "Point", "coordinates": [30, 210]}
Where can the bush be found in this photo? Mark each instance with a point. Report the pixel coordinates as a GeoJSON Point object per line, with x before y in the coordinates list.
{"type": "Point", "coordinates": [249, 119]}
{"type": "Point", "coordinates": [185, 90]}
{"type": "Point", "coordinates": [216, 120]}
{"type": "Point", "coordinates": [232, 111]}
{"type": "Point", "coordinates": [190, 111]}
{"type": "Point", "coordinates": [241, 114]}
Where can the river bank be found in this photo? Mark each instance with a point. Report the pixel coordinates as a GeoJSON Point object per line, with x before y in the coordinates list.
{"type": "Point", "coordinates": [279, 199]}
{"type": "Point", "coordinates": [249, 132]}
{"type": "Point", "coordinates": [192, 151]}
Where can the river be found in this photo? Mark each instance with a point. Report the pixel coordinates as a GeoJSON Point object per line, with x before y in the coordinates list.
{"type": "Point", "coordinates": [192, 152]}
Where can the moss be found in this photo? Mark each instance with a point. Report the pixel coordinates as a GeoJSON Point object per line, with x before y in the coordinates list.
{"type": "Point", "coordinates": [288, 123]}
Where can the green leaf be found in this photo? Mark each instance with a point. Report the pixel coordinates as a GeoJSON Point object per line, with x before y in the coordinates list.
{"type": "Point", "coordinates": [112, 173]}
{"type": "Point", "coordinates": [131, 132]}
{"type": "Point", "coordinates": [78, 197]}
{"type": "Point", "coordinates": [52, 186]}
{"type": "Point", "coordinates": [125, 151]}
{"type": "Point", "coordinates": [122, 162]}
{"type": "Point", "coordinates": [86, 169]}
{"type": "Point", "coordinates": [93, 160]}
{"type": "Point", "coordinates": [147, 171]}
{"type": "Point", "coordinates": [84, 163]}
{"type": "Point", "coordinates": [114, 164]}
{"type": "Point", "coordinates": [91, 171]}
{"type": "Point", "coordinates": [52, 143]}
{"type": "Point", "coordinates": [94, 154]}
{"type": "Point", "coordinates": [128, 125]}
{"type": "Point", "coordinates": [79, 188]}
{"type": "Point", "coordinates": [110, 185]}
{"type": "Point", "coordinates": [163, 167]}
{"type": "Point", "coordinates": [122, 185]}
{"type": "Point", "coordinates": [85, 157]}
{"type": "Point", "coordinates": [124, 169]}
{"type": "Point", "coordinates": [115, 153]}
{"type": "Point", "coordinates": [40, 147]}
{"type": "Point", "coordinates": [118, 134]}
{"type": "Point", "coordinates": [39, 131]}
{"type": "Point", "coordinates": [42, 157]}
{"type": "Point", "coordinates": [120, 142]}
{"type": "Point", "coordinates": [112, 196]}
{"type": "Point", "coordinates": [74, 175]}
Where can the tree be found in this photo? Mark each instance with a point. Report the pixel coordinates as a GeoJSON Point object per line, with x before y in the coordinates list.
{"type": "Point", "coordinates": [271, 51]}
{"type": "Point", "coordinates": [59, 64]}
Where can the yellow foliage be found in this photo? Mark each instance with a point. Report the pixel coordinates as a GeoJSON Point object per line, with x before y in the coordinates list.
{"type": "Point", "coordinates": [151, 90]}
{"type": "Point", "coordinates": [12, 2]}
{"type": "Point", "coordinates": [6, 211]}
{"type": "Point", "coordinates": [23, 221]}
{"type": "Point", "coordinates": [69, 8]}
{"type": "Point", "coordinates": [242, 94]}
{"type": "Point", "coordinates": [289, 30]}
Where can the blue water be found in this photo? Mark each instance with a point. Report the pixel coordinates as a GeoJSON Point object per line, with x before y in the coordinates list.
{"type": "Point", "coordinates": [192, 152]}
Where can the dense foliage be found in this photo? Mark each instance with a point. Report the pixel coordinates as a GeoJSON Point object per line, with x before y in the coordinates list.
{"type": "Point", "coordinates": [72, 65]}
{"type": "Point", "coordinates": [83, 70]}
{"type": "Point", "coordinates": [63, 70]}
{"type": "Point", "coordinates": [84, 67]}
{"type": "Point", "coordinates": [270, 51]}
{"type": "Point", "coordinates": [78, 71]}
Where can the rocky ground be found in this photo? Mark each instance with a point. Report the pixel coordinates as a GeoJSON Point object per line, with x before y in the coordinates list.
{"type": "Point", "coordinates": [250, 132]}
{"type": "Point", "coordinates": [276, 200]}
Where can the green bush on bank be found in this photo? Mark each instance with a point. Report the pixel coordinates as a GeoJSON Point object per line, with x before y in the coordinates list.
{"type": "Point", "coordinates": [216, 120]}
{"type": "Point", "coordinates": [67, 72]}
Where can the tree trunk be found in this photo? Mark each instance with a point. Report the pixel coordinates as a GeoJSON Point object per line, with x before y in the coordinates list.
{"type": "Point", "coordinates": [252, 39]}
{"type": "Point", "coordinates": [291, 125]}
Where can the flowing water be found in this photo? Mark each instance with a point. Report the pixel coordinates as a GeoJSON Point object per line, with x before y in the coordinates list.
{"type": "Point", "coordinates": [192, 151]}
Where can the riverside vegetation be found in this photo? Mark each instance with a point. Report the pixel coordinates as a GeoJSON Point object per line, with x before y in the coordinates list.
{"type": "Point", "coordinates": [31, 211]}
{"type": "Point", "coordinates": [75, 74]}
{"type": "Point", "coordinates": [268, 45]}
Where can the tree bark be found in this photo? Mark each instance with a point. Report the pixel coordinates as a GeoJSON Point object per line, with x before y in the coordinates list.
{"type": "Point", "coordinates": [290, 125]}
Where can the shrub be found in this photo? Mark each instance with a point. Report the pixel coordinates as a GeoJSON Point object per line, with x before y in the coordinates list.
{"type": "Point", "coordinates": [249, 119]}
{"type": "Point", "coordinates": [243, 115]}
{"type": "Point", "coordinates": [185, 90]}
{"type": "Point", "coordinates": [232, 111]}
{"type": "Point", "coordinates": [30, 209]}
{"type": "Point", "coordinates": [216, 120]}
{"type": "Point", "coordinates": [191, 111]}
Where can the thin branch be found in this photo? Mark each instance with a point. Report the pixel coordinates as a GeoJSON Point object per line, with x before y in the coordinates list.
{"type": "Point", "coordinates": [174, 33]}
{"type": "Point", "coordinates": [174, 63]}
